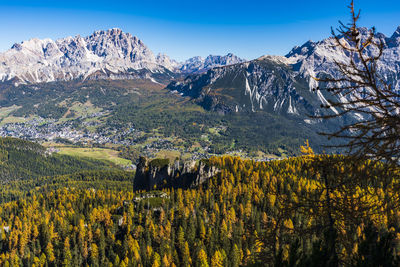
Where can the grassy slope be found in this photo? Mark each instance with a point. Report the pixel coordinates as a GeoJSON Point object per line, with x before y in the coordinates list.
{"type": "Point", "coordinates": [95, 153]}
{"type": "Point", "coordinates": [21, 160]}
{"type": "Point", "coordinates": [26, 166]}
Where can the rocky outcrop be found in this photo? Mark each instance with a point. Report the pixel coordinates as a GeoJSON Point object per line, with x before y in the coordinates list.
{"type": "Point", "coordinates": [160, 173]}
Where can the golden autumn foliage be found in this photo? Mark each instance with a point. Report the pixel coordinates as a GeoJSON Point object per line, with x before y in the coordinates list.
{"type": "Point", "coordinates": [219, 224]}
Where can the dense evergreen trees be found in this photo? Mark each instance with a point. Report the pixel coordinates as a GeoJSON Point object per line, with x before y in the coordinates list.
{"type": "Point", "coordinates": [20, 159]}
{"type": "Point", "coordinates": [251, 213]}
{"type": "Point", "coordinates": [26, 166]}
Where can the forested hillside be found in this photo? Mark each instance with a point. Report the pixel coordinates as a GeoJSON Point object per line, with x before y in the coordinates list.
{"type": "Point", "coordinates": [135, 112]}
{"type": "Point", "coordinates": [21, 159]}
{"type": "Point", "coordinates": [26, 166]}
{"type": "Point", "coordinates": [299, 211]}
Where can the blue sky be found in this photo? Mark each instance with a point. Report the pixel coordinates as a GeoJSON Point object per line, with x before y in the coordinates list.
{"type": "Point", "coordinates": [183, 29]}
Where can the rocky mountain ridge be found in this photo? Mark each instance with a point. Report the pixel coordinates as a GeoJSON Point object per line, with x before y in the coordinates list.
{"type": "Point", "coordinates": [281, 84]}
{"type": "Point", "coordinates": [104, 54]}
{"type": "Point", "coordinates": [199, 64]}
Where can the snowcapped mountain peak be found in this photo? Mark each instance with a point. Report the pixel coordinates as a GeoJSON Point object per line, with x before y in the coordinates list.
{"type": "Point", "coordinates": [115, 31]}
{"type": "Point", "coordinates": [167, 62]}
{"type": "Point", "coordinates": [228, 59]}
{"type": "Point", "coordinates": [313, 59]}
{"type": "Point", "coordinates": [198, 64]}
{"type": "Point", "coordinates": [195, 59]}
{"type": "Point", "coordinates": [277, 59]}
{"type": "Point", "coordinates": [76, 57]}
{"type": "Point", "coordinates": [110, 32]}
{"type": "Point", "coordinates": [306, 49]}
{"type": "Point", "coordinates": [105, 53]}
{"type": "Point", "coordinates": [31, 44]}
{"type": "Point", "coordinates": [284, 84]}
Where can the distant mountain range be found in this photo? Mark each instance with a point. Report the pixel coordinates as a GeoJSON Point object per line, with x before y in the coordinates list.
{"type": "Point", "coordinates": [104, 54]}
{"type": "Point", "coordinates": [281, 84]}
{"type": "Point", "coordinates": [261, 104]}
{"type": "Point", "coordinates": [275, 84]}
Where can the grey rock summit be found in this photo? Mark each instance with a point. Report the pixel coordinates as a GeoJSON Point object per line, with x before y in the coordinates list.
{"type": "Point", "coordinates": [282, 84]}
{"type": "Point", "coordinates": [199, 64]}
{"type": "Point", "coordinates": [111, 54]}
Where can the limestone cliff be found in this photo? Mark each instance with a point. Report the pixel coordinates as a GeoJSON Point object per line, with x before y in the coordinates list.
{"type": "Point", "coordinates": [160, 173]}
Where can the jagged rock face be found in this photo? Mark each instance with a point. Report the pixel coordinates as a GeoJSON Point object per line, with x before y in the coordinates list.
{"type": "Point", "coordinates": [71, 58]}
{"type": "Point", "coordinates": [199, 64]}
{"type": "Point", "coordinates": [317, 58]}
{"type": "Point", "coordinates": [263, 84]}
{"type": "Point", "coordinates": [281, 84]}
{"type": "Point", "coordinates": [177, 175]}
{"type": "Point", "coordinates": [167, 62]}
{"type": "Point", "coordinates": [104, 54]}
